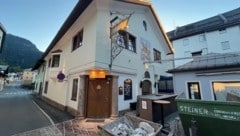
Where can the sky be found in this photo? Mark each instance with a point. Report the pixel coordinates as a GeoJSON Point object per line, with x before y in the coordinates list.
{"type": "Point", "coordinates": [40, 20]}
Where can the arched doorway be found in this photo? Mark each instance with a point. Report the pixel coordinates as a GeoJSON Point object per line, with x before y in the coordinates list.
{"type": "Point", "coordinates": [146, 87]}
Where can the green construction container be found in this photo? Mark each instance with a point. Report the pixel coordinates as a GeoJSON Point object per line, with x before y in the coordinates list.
{"type": "Point", "coordinates": [209, 118]}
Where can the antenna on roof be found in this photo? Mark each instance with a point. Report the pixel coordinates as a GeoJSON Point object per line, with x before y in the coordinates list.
{"type": "Point", "coordinates": [223, 18]}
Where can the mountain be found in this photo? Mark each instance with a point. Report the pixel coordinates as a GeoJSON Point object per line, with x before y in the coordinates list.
{"type": "Point", "coordinates": [19, 52]}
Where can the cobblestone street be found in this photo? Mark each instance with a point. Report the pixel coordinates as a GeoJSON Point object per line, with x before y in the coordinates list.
{"type": "Point", "coordinates": [84, 127]}
{"type": "Point", "coordinates": [75, 127]}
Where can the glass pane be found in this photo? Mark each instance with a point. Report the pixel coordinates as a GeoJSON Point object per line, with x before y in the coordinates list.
{"type": "Point", "coordinates": [55, 61]}
{"type": "Point", "coordinates": [127, 89]}
{"type": "Point", "coordinates": [224, 91]}
{"type": "Point", "coordinates": [170, 84]}
{"type": "Point", "coordinates": [74, 89]}
{"type": "Point", "coordinates": [162, 85]}
{"type": "Point", "coordinates": [194, 90]}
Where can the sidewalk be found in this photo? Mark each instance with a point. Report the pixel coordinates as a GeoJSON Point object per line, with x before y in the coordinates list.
{"type": "Point", "coordinates": [55, 114]}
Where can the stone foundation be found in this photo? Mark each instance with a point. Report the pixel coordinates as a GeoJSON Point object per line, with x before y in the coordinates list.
{"type": "Point", "coordinates": [53, 103]}
{"type": "Point", "coordinates": [70, 110]}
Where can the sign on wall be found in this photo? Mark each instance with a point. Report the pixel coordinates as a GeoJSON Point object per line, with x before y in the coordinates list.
{"type": "Point", "coordinates": [145, 49]}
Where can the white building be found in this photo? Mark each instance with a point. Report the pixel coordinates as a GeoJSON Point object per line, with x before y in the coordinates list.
{"type": "Point", "coordinates": [208, 77]}
{"type": "Point", "coordinates": [76, 71]}
{"type": "Point", "coordinates": [217, 34]}
{"type": "Point", "coordinates": [28, 77]}
{"type": "Point", "coordinates": [2, 36]}
{"type": "Point", "coordinates": [3, 75]}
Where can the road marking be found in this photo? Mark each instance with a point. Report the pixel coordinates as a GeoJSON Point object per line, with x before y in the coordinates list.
{"type": "Point", "coordinates": [15, 93]}
{"type": "Point", "coordinates": [45, 114]}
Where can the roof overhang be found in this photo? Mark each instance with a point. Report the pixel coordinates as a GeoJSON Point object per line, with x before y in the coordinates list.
{"type": "Point", "coordinates": [76, 12]}
{"type": "Point", "coordinates": [149, 5]}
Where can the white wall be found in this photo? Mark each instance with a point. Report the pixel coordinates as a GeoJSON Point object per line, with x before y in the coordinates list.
{"type": "Point", "coordinates": [95, 54]}
{"type": "Point", "coordinates": [124, 104]}
{"type": "Point", "coordinates": [212, 44]}
{"type": "Point", "coordinates": [180, 82]}
{"type": "Point", "coordinates": [232, 35]}
{"type": "Point", "coordinates": [72, 62]}
{"type": "Point", "coordinates": [71, 103]}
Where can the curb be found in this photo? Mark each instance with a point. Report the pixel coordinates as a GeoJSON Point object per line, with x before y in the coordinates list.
{"type": "Point", "coordinates": [44, 113]}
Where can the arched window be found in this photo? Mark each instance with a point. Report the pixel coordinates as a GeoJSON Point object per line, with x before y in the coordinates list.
{"type": "Point", "coordinates": [146, 74]}
{"type": "Point", "coordinates": [145, 25]}
{"type": "Point", "coordinates": [127, 89]}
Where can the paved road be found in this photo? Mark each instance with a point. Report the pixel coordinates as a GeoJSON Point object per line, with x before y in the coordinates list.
{"type": "Point", "coordinates": [18, 113]}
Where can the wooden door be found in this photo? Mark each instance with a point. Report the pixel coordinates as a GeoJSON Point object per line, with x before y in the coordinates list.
{"type": "Point", "coordinates": [98, 98]}
{"type": "Point", "coordinates": [146, 87]}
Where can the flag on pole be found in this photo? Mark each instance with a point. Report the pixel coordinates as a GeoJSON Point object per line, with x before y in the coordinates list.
{"type": "Point", "coordinates": [122, 25]}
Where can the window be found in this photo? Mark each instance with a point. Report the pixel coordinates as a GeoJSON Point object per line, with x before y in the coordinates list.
{"type": "Point", "coordinates": [225, 45]}
{"type": "Point", "coordinates": [127, 89]}
{"type": "Point", "coordinates": [197, 53]}
{"type": "Point", "coordinates": [145, 25]}
{"type": "Point", "coordinates": [193, 90]}
{"type": "Point", "coordinates": [49, 62]}
{"type": "Point", "coordinates": [77, 40]}
{"type": "Point", "coordinates": [40, 88]}
{"type": "Point", "coordinates": [226, 90]}
{"type": "Point", "coordinates": [202, 38]}
{"type": "Point", "coordinates": [74, 89]}
{"type": "Point", "coordinates": [157, 55]}
{"type": "Point", "coordinates": [165, 84]}
{"type": "Point", "coordinates": [146, 74]}
{"type": "Point", "coordinates": [128, 40]}
{"type": "Point", "coordinates": [46, 87]}
{"type": "Point", "coordinates": [185, 42]}
{"type": "Point", "coordinates": [56, 60]}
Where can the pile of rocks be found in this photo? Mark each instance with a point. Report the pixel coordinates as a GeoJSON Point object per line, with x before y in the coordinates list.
{"type": "Point", "coordinates": [123, 129]}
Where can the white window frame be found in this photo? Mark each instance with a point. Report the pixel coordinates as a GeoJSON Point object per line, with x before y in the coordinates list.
{"type": "Point", "coordinates": [211, 87]}
{"type": "Point", "coordinates": [78, 84]}
{"type": "Point", "coordinates": [187, 92]}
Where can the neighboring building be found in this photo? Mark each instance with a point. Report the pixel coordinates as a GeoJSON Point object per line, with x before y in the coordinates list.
{"type": "Point", "coordinates": [28, 76]}
{"type": "Point", "coordinates": [2, 36]}
{"type": "Point", "coordinates": [12, 77]}
{"type": "Point", "coordinates": [209, 94]}
{"type": "Point", "coordinates": [77, 73]}
{"type": "Point", "coordinates": [208, 77]}
{"type": "Point", "coordinates": [3, 75]}
{"type": "Point", "coordinates": [40, 66]}
{"type": "Point", "coordinates": [217, 34]}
